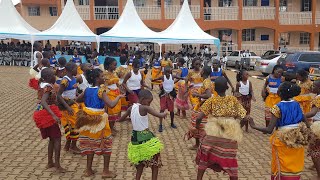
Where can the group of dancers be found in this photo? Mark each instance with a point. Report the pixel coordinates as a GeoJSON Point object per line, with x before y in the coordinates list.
{"type": "Point", "coordinates": [88, 101]}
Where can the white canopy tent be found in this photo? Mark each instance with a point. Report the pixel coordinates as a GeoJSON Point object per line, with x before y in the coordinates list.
{"type": "Point", "coordinates": [129, 28]}
{"type": "Point", "coordinates": [69, 26]}
{"type": "Point", "coordinates": [12, 24]}
{"type": "Point", "coordinates": [185, 30]}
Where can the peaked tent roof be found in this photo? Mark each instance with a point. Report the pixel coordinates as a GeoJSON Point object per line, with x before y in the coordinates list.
{"type": "Point", "coordinates": [12, 24]}
{"type": "Point", "coordinates": [185, 29]}
{"type": "Point", "coordinates": [129, 28]}
{"type": "Point", "coordinates": [69, 26]}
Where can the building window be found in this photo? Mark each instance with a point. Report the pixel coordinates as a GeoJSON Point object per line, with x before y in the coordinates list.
{"type": "Point", "coordinates": [250, 3]}
{"type": "Point", "coordinates": [304, 38]}
{"type": "Point", "coordinates": [225, 35]}
{"type": "Point", "coordinates": [139, 2]}
{"type": "Point", "coordinates": [53, 11]}
{"type": "Point", "coordinates": [306, 5]}
{"type": "Point", "coordinates": [264, 38]}
{"type": "Point", "coordinates": [283, 5]}
{"type": "Point", "coordinates": [265, 3]}
{"type": "Point", "coordinates": [83, 2]}
{"type": "Point", "coordinates": [34, 11]}
{"type": "Point", "coordinates": [225, 3]}
{"type": "Point", "coordinates": [284, 38]}
{"type": "Point", "coordinates": [248, 35]}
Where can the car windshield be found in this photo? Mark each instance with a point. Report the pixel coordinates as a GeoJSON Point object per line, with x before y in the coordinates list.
{"type": "Point", "coordinates": [253, 54]}
{"type": "Point", "coordinates": [271, 57]}
{"type": "Point", "coordinates": [286, 57]}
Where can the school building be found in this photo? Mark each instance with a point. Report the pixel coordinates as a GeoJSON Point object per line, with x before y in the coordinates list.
{"type": "Point", "coordinates": [257, 25]}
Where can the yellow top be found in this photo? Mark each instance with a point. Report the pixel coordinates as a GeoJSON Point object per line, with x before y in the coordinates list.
{"type": "Point", "coordinates": [306, 87]}
{"type": "Point", "coordinates": [227, 106]}
{"type": "Point", "coordinates": [207, 84]}
{"type": "Point", "coordinates": [165, 63]}
{"type": "Point", "coordinates": [121, 71]}
{"type": "Point", "coordinates": [195, 77]}
{"type": "Point", "coordinates": [111, 78]}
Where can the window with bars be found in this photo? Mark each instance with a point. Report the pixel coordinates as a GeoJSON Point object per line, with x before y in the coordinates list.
{"type": "Point", "coordinates": [284, 38]}
{"type": "Point", "coordinates": [304, 38]}
{"type": "Point", "coordinates": [34, 11]}
{"type": "Point", "coordinates": [53, 11]}
{"type": "Point", "coordinates": [225, 35]}
{"type": "Point", "coordinates": [225, 3]}
{"type": "Point", "coordinates": [250, 2]}
{"type": "Point", "coordinates": [83, 2]}
{"type": "Point", "coordinates": [248, 35]}
{"type": "Point", "coordinates": [283, 5]}
{"type": "Point", "coordinates": [306, 5]}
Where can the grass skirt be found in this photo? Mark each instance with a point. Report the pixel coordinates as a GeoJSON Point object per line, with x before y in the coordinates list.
{"type": "Point", "coordinates": [144, 148]}
{"type": "Point", "coordinates": [314, 145]}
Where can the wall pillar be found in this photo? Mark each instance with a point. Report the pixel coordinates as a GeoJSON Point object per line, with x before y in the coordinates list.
{"type": "Point", "coordinates": [120, 6]}
{"type": "Point", "coordinates": [311, 43]}
{"type": "Point", "coordinates": [240, 5]}
{"type": "Point", "coordinates": [239, 39]}
{"type": "Point", "coordinates": [162, 10]}
{"type": "Point", "coordinates": [91, 9]}
{"type": "Point", "coordinates": [202, 10]}
{"type": "Point", "coordinates": [276, 40]}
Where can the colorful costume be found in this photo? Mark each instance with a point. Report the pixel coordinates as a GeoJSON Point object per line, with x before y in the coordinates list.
{"type": "Point", "coordinates": [245, 98]}
{"type": "Point", "coordinates": [195, 80]}
{"type": "Point", "coordinates": [181, 101]}
{"type": "Point", "coordinates": [60, 73]}
{"type": "Point", "coordinates": [144, 146]}
{"type": "Point", "coordinates": [288, 141]}
{"type": "Point", "coordinates": [314, 145]}
{"type": "Point", "coordinates": [167, 94]}
{"type": "Point", "coordinates": [53, 61]}
{"type": "Point", "coordinates": [305, 96]}
{"type": "Point", "coordinates": [156, 72]}
{"type": "Point", "coordinates": [112, 82]}
{"type": "Point", "coordinates": [164, 63]}
{"type": "Point", "coordinates": [93, 125]}
{"type": "Point", "coordinates": [216, 74]}
{"type": "Point", "coordinates": [207, 84]}
{"type": "Point", "coordinates": [273, 98]}
{"type": "Point", "coordinates": [77, 61]}
{"type": "Point", "coordinates": [44, 121]}
{"type": "Point", "coordinates": [218, 149]}
{"type": "Point", "coordinates": [69, 95]}
{"type": "Point", "coordinates": [121, 73]}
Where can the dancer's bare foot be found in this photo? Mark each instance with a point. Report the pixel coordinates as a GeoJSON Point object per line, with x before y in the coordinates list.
{"type": "Point", "coordinates": [88, 173]}
{"type": "Point", "coordinates": [108, 174]}
{"type": "Point", "coordinates": [67, 147]}
{"type": "Point", "coordinates": [75, 150]}
{"type": "Point", "coordinates": [60, 170]}
{"type": "Point", "coordinates": [49, 165]}
{"type": "Point", "coordinates": [194, 147]}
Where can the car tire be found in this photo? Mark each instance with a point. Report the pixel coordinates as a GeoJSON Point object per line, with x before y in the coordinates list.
{"type": "Point", "coordinates": [237, 65]}
{"type": "Point", "coordinates": [265, 74]}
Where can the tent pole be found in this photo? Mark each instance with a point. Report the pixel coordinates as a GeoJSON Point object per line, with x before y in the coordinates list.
{"type": "Point", "coordinates": [160, 56]}
{"type": "Point", "coordinates": [31, 55]}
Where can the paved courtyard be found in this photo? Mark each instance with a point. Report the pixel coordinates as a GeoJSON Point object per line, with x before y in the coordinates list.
{"type": "Point", "coordinates": [23, 152]}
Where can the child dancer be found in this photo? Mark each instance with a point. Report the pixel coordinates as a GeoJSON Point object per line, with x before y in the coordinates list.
{"type": "Point", "coordinates": [47, 118]}
{"type": "Point", "coordinates": [182, 100]}
{"type": "Point", "coordinates": [69, 108]}
{"type": "Point", "coordinates": [133, 82]}
{"type": "Point", "coordinates": [218, 149]}
{"type": "Point", "coordinates": [244, 93]}
{"type": "Point", "coordinates": [144, 148]}
{"type": "Point", "coordinates": [121, 72]}
{"type": "Point", "coordinates": [204, 92]}
{"type": "Point", "coordinates": [112, 81]}
{"type": "Point", "coordinates": [156, 72]}
{"type": "Point", "coordinates": [92, 122]}
{"type": "Point", "coordinates": [166, 62]}
{"type": "Point", "coordinates": [290, 137]}
{"type": "Point", "coordinates": [195, 79]}
{"type": "Point", "coordinates": [82, 79]}
{"type": "Point", "coordinates": [270, 89]}
{"type": "Point", "coordinates": [76, 59]}
{"type": "Point", "coordinates": [52, 59]}
{"type": "Point", "coordinates": [218, 72]}
{"type": "Point", "coordinates": [167, 95]}
{"type": "Point", "coordinates": [314, 145]}
{"type": "Point", "coordinates": [60, 72]}
{"type": "Point", "coordinates": [305, 96]}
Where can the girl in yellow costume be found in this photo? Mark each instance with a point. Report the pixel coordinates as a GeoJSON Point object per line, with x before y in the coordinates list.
{"type": "Point", "coordinates": [195, 79]}
{"type": "Point", "coordinates": [76, 59]}
{"type": "Point", "coordinates": [121, 71]}
{"type": "Point", "coordinates": [92, 122]}
{"type": "Point", "coordinates": [66, 96]}
{"type": "Point", "coordinates": [270, 89]}
{"type": "Point", "coordinates": [156, 73]}
{"type": "Point", "coordinates": [112, 81]}
{"type": "Point", "coordinates": [290, 137]}
{"type": "Point", "coordinates": [305, 96]}
{"type": "Point", "coordinates": [204, 92]}
{"type": "Point", "coordinates": [166, 62]}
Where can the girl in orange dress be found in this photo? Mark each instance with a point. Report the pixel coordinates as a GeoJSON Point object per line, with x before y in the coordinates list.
{"type": "Point", "coordinates": [121, 71]}
{"type": "Point", "coordinates": [195, 79]}
{"type": "Point", "coordinates": [305, 97]}
{"type": "Point", "coordinates": [112, 81]}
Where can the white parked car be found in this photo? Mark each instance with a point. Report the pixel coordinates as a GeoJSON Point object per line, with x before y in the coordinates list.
{"type": "Point", "coordinates": [234, 59]}
{"type": "Point", "coordinates": [265, 65]}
